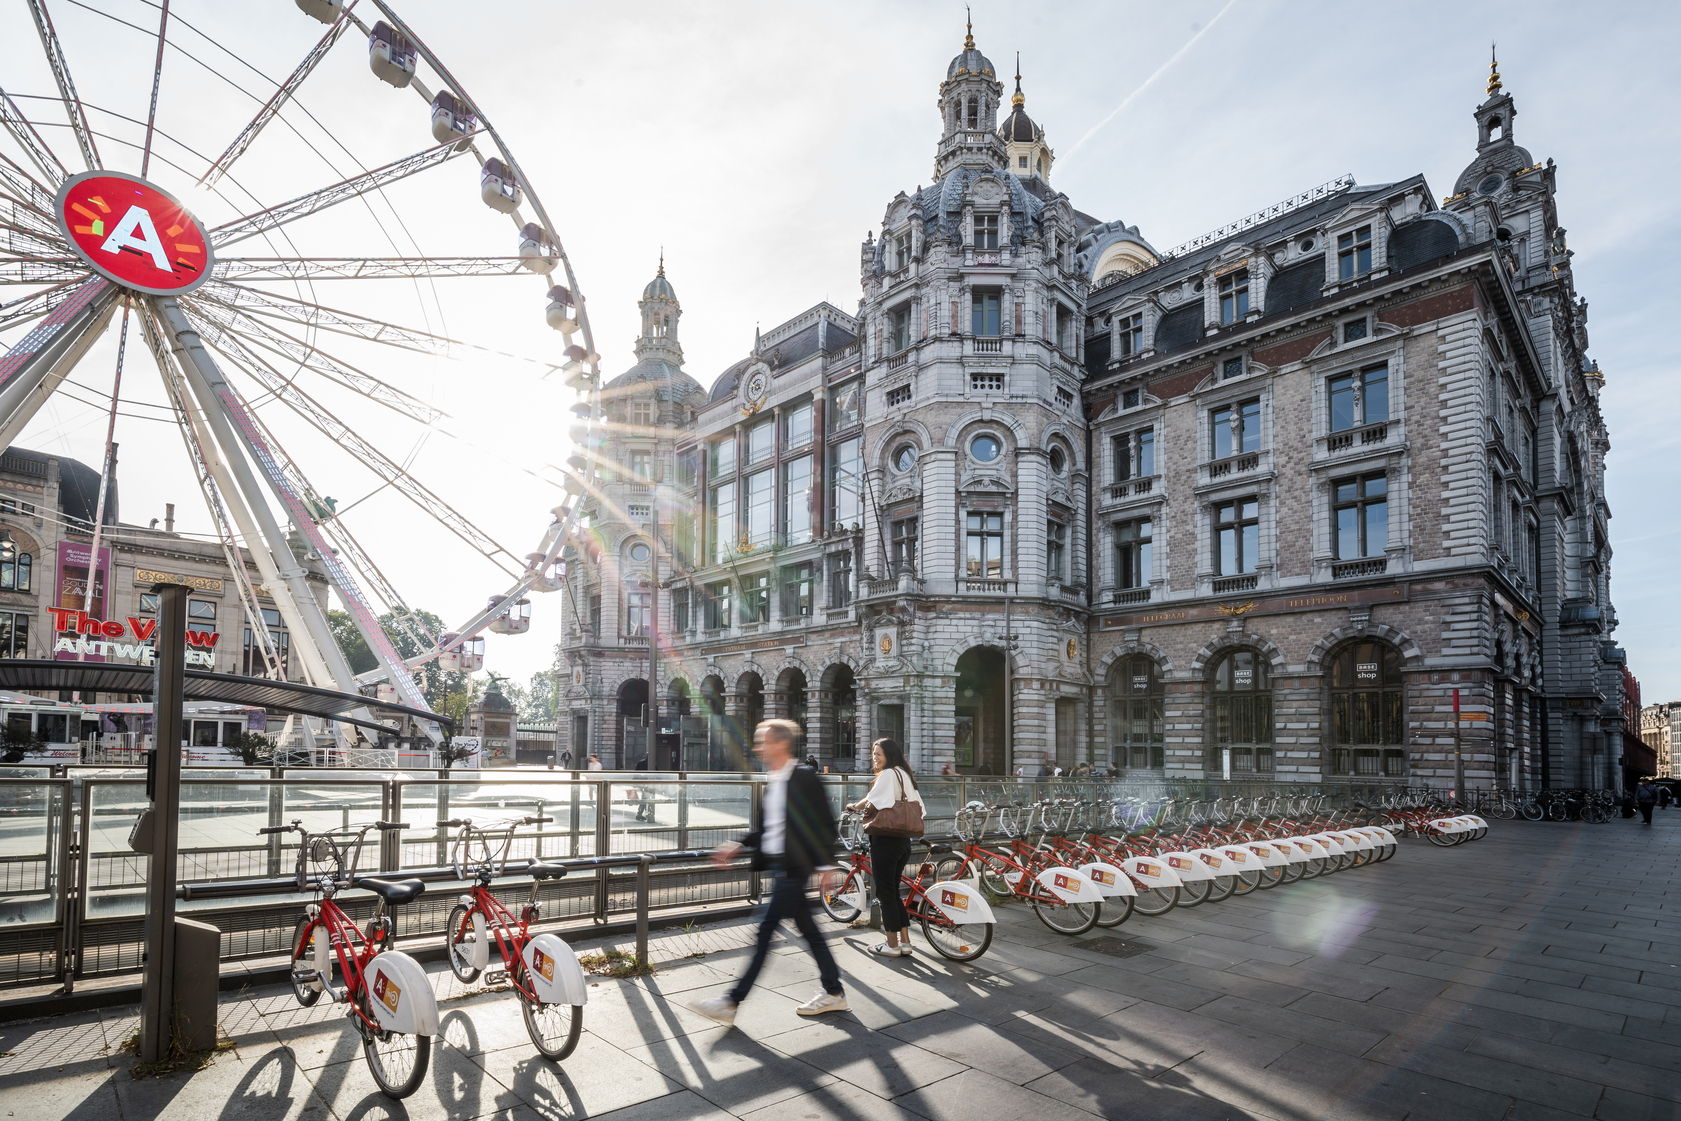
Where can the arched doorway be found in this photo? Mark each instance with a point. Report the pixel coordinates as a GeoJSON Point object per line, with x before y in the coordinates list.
{"type": "Point", "coordinates": [982, 736]}
{"type": "Point", "coordinates": [750, 701]}
{"type": "Point", "coordinates": [631, 743]}
{"type": "Point", "coordinates": [840, 711]}
{"type": "Point", "coordinates": [675, 749]}
{"type": "Point", "coordinates": [791, 696]}
{"type": "Point", "coordinates": [722, 752]}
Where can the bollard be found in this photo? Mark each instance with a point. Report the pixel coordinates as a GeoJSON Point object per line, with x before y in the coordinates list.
{"type": "Point", "coordinates": [194, 1026]}
{"type": "Point", "coordinates": [643, 880]}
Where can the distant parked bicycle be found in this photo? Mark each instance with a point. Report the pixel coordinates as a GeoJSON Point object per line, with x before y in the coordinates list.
{"type": "Point", "coordinates": [389, 997]}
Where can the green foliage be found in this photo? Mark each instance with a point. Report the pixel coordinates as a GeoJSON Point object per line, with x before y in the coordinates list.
{"type": "Point", "coordinates": [255, 749]}
{"type": "Point", "coordinates": [439, 687]}
{"type": "Point", "coordinates": [15, 745]}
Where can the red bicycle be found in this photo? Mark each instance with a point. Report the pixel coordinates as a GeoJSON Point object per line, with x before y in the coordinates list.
{"type": "Point", "coordinates": [390, 998]}
{"type": "Point", "coordinates": [547, 980]}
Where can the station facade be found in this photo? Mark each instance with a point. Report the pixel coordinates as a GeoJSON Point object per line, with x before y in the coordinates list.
{"type": "Point", "coordinates": [1318, 496]}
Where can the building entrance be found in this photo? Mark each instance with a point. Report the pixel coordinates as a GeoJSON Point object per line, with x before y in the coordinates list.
{"type": "Point", "coordinates": [982, 734]}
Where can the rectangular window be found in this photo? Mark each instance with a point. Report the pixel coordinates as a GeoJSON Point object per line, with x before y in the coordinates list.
{"type": "Point", "coordinates": [1065, 397]}
{"type": "Point", "coordinates": [984, 313]}
{"type": "Point", "coordinates": [840, 579]}
{"type": "Point", "coordinates": [642, 414]}
{"type": "Point", "coordinates": [986, 383]}
{"type": "Point", "coordinates": [1355, 330]}
{"type": "Point", "coordinates": [253, 662]}
{"type": "Point", "coordinates": [799, 582]}
{"type": "Point", "coordinates": [1358, 398]}
{"type": "Point", "coordinates": [722, 530]}
{"type": "Point", "coordinates": [986, 231]}
{"type": "Point", "coordinates": [796, 426]}
{"type": "Point", "coordinates": [1056, 550]}
{"type": "Point", "coordinates": [761, 507]}
{"type": "Point", "coordinates": [639, 612]}
{"type": "Point", "coordinates": [718, 605]}
{"type": "Point", "coordinates": [1062, 328]}
{"type": "Point", "coordinates": [848, 410]}
{"type": "Point", "coordinates": [898, 328]}
{"type": "Point", "coordinates": [904, 532]}
{"type": "Point", "coordinates": [983, 554]}
{"type": "Point", "coordinates": [680, 610]}
{"type": "Point", "coordinates": [201, 610]}
{"type": "Point", "coordinates": [1234, 296]}
{"type": "Point", "coordinates": [1134, 454]}
{"type": "Point", "coordinates": [1132, 398]}
{"type": "Point", "coordinates": [796, 500]}
{"type": "Point", "coordinates": [761, 442]}
{"type": "Point", "coordinates": [1354, 253]}
{"type": "Point", "coordinates": [1231, 368]}
{"type": "Point", "coordinates": [14, 634]}
{"type": "Point", "coordinates": [687, 471]}
{"type": "Point", "coordinates": [898, 395]}
{"type": "Point", "coordinates": [721, 457]}
{"type": "Point", "coordinates": [1237, 536]}
{"type": "Point", "coordinates": [1132, 553]}
{"type": "Point", "coordinates": [846, 483]}
{"type": "Point", "coordinates": [755, 598]}
{"type": "Point", "coordinates": [1235, 429]}
{"type": "Point", "coordinates": [901, 250]}
{"type": "Point", "coordinates": [1360, 512]}
{"type": "Point", "coordinates": [639, 466]}
{"type": "Point", "coordinates": [595, 613]}
{"type": "Point", "coordinates": [1129, 339]}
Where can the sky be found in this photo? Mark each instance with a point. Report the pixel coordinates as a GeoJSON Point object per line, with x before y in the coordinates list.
{"type": "Point", "coordinates": [757, 143]}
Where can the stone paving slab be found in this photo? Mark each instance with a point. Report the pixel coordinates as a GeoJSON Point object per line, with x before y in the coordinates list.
{"type": "Point", "coordinates": [1534, 975]}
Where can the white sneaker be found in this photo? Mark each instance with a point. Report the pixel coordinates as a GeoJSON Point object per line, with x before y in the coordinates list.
{"type": "Point", "coordinates": [821, 1003]}
{"type": "Point", "coordinates": [720, 1008]}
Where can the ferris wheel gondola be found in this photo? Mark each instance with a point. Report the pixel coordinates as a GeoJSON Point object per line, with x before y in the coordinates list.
{"type": "Point", "coordinates": [240, 338]}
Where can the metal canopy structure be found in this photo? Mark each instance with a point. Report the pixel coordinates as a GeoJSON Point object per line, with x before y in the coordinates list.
{"type": "Point", "coordinates": [30, 675]}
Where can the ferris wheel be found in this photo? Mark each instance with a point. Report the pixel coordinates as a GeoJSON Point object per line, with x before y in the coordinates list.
{"type": "Point", "coordinates": [209, 211]}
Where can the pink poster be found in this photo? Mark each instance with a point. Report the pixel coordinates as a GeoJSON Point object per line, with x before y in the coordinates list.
{"type": "Point", "coordinates": [72, 588]}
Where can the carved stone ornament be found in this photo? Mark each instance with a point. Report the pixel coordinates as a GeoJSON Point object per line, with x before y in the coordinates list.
{"type": "Point", "coordinates": [987, 190]}
{"type": "Point", "coordinates": [885, 644]}
{"type": "Point", "coordinates": [1237, 609]}
{"type": "Point", "coordinates": [1073, 649]}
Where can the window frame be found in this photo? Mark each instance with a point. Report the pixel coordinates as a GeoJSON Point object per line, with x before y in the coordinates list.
{"type": "Point", "coordinates": [1232, 296]}
{"type": "Point", "coordinates": [1354, 253]}
{"type": "Point", "coordinates": [1245, 529]}
{"type": "Point", "coordinates": [1359, 389]}
{"type": "Point", "coordinates": [985, 529]}
{"type": "Point", "coordinates": [988, 229]}
{"type": "Point", "coordinates": [1136, 552]}
{"type": "Point", "coordinates": [1361, 502]}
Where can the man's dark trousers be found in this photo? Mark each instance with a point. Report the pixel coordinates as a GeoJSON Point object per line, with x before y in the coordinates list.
{"type": "Point", "coordinates": [788, 901]}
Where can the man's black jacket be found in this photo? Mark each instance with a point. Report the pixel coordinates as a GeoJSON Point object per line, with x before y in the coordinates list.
{"type": "Point", "coordinates": [811, 837]}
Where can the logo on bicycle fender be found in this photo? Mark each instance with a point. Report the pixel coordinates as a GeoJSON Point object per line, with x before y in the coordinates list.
{"type": "Point", "coordinates": [1149, 869]}
{"type": "Point", "coordinates": [386, 991]}
{"type": "Point", "coordinates": [1178, 862]}
{"type": "Point", "coordinates": [1236, 855]}
{"type": "Point", "coordinates": [543, 963]}
{"type": "Point", "coordinates": [957, 900]}
{"type": "Point", "coordinates": [1064, 883]}
{"type": "Point", "coordinates": [1102, 877]}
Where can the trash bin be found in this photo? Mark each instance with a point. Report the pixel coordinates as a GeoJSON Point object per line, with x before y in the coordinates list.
{"type": "Point", "coordinates": [198, 955]}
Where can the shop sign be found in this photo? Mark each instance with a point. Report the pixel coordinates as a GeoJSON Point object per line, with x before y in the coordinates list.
{"type": "Point", "coordinates": [83, 635]}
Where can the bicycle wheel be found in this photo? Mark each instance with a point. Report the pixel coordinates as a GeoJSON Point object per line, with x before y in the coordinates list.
{"type": "Point", "coordinates": [1221, 887]}
{"type": "Point", "coordinates": [957, 941]}
{"type": "Point", "coordinates": [1115, 910]}
{"type": "Point", "coordinates": [553, 1028]}
{"type": "Point", "coordinates": [1193, 892]}
{"type": "Point", "coordinates": [397, 1060]}
{"type": "Point", "coordinates": [993, 882]}
{"type": "Point", "coordinates": [307, 992]}
{"type": "Point", "coordinates": [1595, 814]}
{"type": "Point", "coordinates": [951, 867]}
{"type": "Point", "coordinates": [1270, 877]}
{"type": "Point", "coordinates": [1292, 872]}
{"type": "Point", "coordinates": [1444, 840]}
{"type": "Point", "coordinates": [1065, 918]}
{"type": "Point", "coordinates": [1246, 881]}
{"type": "Point", "coordinates": [1531, 811]}
{"type": "Point", "coordinates": [461, 937]}
{"type": "Point", "coordinates": [836, 904]}
{"type": "Point", "coordinates": [1151, 901]}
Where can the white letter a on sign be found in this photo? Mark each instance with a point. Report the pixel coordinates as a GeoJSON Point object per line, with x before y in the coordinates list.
{"type": "Point", "coordinates": [135, 230]}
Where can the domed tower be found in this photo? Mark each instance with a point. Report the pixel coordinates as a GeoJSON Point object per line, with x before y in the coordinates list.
{"type": "Point", "coordinates": [1024, 140]}
{"type": "Point", "coordinates": [660, 312]}
{"type": "Point", "coordinates": [969, 99]}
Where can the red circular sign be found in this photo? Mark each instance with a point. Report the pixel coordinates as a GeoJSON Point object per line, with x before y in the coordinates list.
{"type": "Point", "coordinates": [130, 231]}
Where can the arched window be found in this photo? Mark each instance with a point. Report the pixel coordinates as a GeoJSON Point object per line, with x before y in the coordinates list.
{"type": "Point", "coordinates": [14, 574]}
{"type": "Point", "coordinates": [1135, 715]}
{"type": "Point", "coordinates": [1240, 714]}
{"type": "Point", "coordinates": [1367, 713]}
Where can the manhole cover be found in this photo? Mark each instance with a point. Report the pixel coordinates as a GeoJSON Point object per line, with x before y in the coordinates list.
{"type": "Point", "coordinates": [1117, 947]}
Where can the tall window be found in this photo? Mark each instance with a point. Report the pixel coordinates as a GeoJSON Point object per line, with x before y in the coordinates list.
{"type": "Point", "coordinates": [1237, 536]}
{"type": "Point", "coordinates": [799, 582]}
{"type": "Point", "coordinates": [986, 231]}
{"type": "Point", "coordinates": [796, 500]}
{"type": "Point", "coordinates": [718, 605]}
{"type": "Point", "coordinates": [1358, 397]}
{"type": "Point", "coordinates": [252, 663]}
{"type": "Point", "coordinates": [1056, 549]}
{"type": "Point", "coordinates": [846, 482]}
{"type": "Point", "coordinates": [1354, 253]}
{"type": "Point", "coordinates": [14, 634]}
{"type": "Point", "coordinates": [904, 543]}
{"type": "Point", "coordinates": [761, 442]}
{"type": "Point", "coordinates": [1360, 513]}
{"type": "Point", "coordinates": [1240, 704]}
{"type": "Point", "coordinates": [639, 465]}
{"type": "Point", "coordinates": [639, 612]}
{"type": "Point", "coordinates": [1367, 710]}
{"type": "Point", "coordinates": [1136, 729]}
{"type": "Point", "coordinates": [642, 413]}
{"type": "Point", "coordinates": [984, 315]}
{"type": "Point", "coordinates": [899, 328]}
{"type": "Point", "coordinates": [761, 507]}
{"type": "Point", "coordinates": [721, 524]}
{"type": "Point", "coordinates": [755, 598]}
{"type": "Point", "coordinates": [15, 574]}
{"type": "Point", "coordinates": [1129, 339]}
{"type": "Point", "coordinates": [1135, 454]}
{"type": "Point", "coordinates": [901, 250]}
{"type": "Point", "coordinates": [680, 620]}
{"type": "Point", "coordinates": [1234, 296]}
{"type": "Point", "coordinates": [839, 579]}
{"type": "Point", "coordinates": [1132, 553]}
{"type": "Point", "coordinates": [720, 457]}
{"type": "Point", "coordinates": [983, 541]}
{"type": "Point", "coordinates": [1235, 429]}
{"type": "Point", "coordinates": [796, 426]}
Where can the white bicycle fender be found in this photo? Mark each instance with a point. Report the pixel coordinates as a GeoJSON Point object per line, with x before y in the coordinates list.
{"type": "Point", "coordinates": [958, 901]}
{"type": "Point", "coordinates": [1109, 879]}
{"type": "Point", "coordinates": [402, 996]}
{"type": "Point", "coordinates": [1354, 839]}
{"type": "Point", "coordinates": [1310, 847]}
{"type": "Point", "coordinates": [858, 900]}
{"type": "Point", "coordinates": [1069, 885]}
{"type": "Point", "coordinates": [1332, 843]}
{"type": "Point", "coordinates": [1384, 836]}
{"type": "Point", "coordinates": [1186, 866]}
{"type": "Point", "coordinates": [1239, 858]}
{"type": "Point", "coordinates": [1216, 864]}
{"type": "Point", "coordinates": [480, 949]}
{"type": "Point", "coordinates": [554, 970]}
{"type": "Point", "coordinates": [1447, 825]}
{"type": "Point", "coordinates": [1268, 856]}
{"type": "Point", "coordinates": [1150, 872]}
{"type": "Point", "coordinates": [1286, 847]}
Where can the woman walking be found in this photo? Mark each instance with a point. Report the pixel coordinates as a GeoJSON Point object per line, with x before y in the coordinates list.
{"type": "Point", "coordinates": [889, 855]}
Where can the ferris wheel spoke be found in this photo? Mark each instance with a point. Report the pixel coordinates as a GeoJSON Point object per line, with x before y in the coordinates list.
{"type": "Point", "coordinates": [40, 270]}
{"type": "Point", "coordinates": [362, 268]}
{"type": "Point", "coordinates": [260, 334]}
{"type": "Point", "coordinates": [23, 188]}
{"type": "Point", "coordinates": [36, 304]}
{"type": "Point", "coordinates": [30, 140]}
{"type": "Point", "coordinates": [66, 87]}
{"type": "Point", "coordinates": [301, 207]}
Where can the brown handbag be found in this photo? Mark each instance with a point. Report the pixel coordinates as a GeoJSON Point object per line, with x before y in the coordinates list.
{"type": "Point", "coordinates": [902, 819]}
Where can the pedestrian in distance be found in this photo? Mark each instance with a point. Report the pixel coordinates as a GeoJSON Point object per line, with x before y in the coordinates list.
{"type": "Point", "coordinates": [644, 796]}
{"type": "Point", "coordinates": [889, 855]}
{"type": "Point", "coordinates": [1665, 795]}
{"type": "Point", "coordinates": [595, 763]}
{"type": "Point", "coordinates": [1646, 800]}
{"type": "Point", "coordinates": [795, 837]}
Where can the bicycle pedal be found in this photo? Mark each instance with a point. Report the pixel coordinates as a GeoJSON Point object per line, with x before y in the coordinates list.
{"type": "Point", "coordinates": [495, 976]}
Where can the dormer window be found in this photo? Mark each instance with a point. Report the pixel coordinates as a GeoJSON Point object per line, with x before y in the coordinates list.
{"type": "Point", "coordinates": [899, 328]}
{"type": "Point", "coordinates": [1234, 296]}
{"type": "Point", "coordinates": [901, 250]}
{"type": "Point", "coordinates": [986, 231]}
{"type": "Point", "coordinates": [1354, 253]}
{"type": "Point", "coordinates": [1129, 339]}
{"type": "Point", "coordinates": [642, 413]}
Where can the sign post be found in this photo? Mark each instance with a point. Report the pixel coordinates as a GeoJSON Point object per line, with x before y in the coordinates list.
{"type": "Point", "coordinates": [162, 822]}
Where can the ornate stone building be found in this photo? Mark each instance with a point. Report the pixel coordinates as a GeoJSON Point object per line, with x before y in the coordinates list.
{"type": "Point", "coordinates": [1273, 504]}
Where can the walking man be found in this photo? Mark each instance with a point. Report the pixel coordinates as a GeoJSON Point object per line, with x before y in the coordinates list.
{"type": "Point", "coordinates": [1646, 800]}
{"type": "Point", "coordinates": [795, 837]}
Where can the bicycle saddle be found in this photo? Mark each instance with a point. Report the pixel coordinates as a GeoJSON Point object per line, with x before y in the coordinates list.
{"type": "Point", "coordinates": [938, 850]}
{"type": "Point", "coordinates": [392, 891]}
{"type": "Point", "coordinates": [541, 871]}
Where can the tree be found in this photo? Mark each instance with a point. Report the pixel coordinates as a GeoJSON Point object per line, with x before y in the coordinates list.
{"type": "Point", "coordinates": [452, 753]}
{"type": "Point", "coordinates": [437, 685]}
{"type": "Point", "coordinates": [15, 745]}
{"type": "Point", "coordinates": [255, 749]}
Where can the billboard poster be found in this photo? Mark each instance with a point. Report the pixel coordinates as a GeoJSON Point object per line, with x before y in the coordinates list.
{"type": "Point", "coordinates": [74, 570]}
